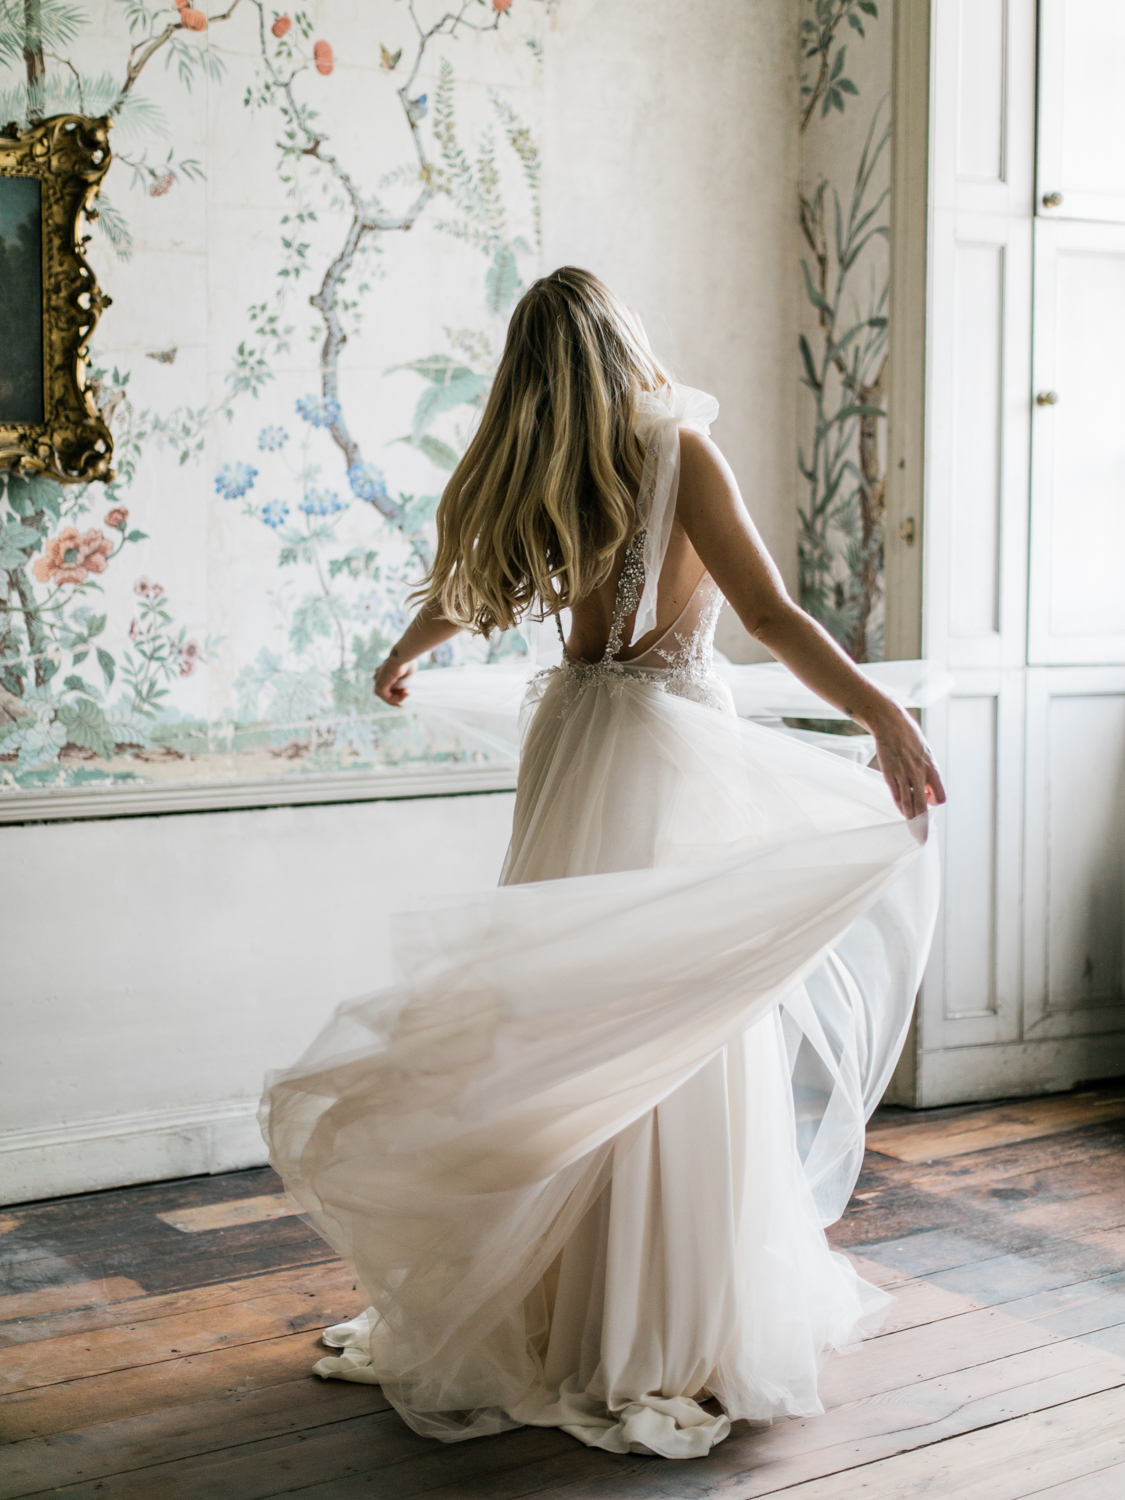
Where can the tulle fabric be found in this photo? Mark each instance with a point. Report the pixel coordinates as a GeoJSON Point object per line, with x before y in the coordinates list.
{"type": "Point", "coordinates": [581, 1155]}
{"type": "Point", "coordinates": [564, 1153]}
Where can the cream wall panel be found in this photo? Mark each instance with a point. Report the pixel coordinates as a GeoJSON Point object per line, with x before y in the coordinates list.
{"type": "Point", "coordinates": [1081, 83]}
{"type": "Point", "coordinates": [1075, 882]}
{"type": "Point", "coordinates": [1078, 516]}
{"type": "Point", "coordinates": [157, 967]}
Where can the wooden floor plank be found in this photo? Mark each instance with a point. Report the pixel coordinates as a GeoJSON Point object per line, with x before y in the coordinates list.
{"type": "Point", "coordinates": [408, 1464]}
{"type": "Point", "coordinates": [178, 1432]}
{"type": "Point", "coordinates": [124, 1393]}
{"type": "Point", "coordinates": [299, 1283]}
{"type": "Point", "coordinates": [223, 1215]}
{"type": "Point", "coordinates": [64, 1298]}
{"type": "Point", "coordinates": [1008, 1461]}
{"type": "Point", "coordinates": [158, 1340]}
{"type": "Point", "coordinates": [1104, 1484]}
{"type": "Point", "coordinates": [1000, 1126]}
{"type": "Point", "coordinates": [1006, 1255]}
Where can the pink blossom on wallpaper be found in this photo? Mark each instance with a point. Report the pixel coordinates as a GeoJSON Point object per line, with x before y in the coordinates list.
{"type": "Point", "coordinates": [134, 629]}
{"type": "Point", "coordinates": [322, 53]}
{"type": "Point", "coordinates": [148, 590]}
{"type": "Point", "coordinates": [160, 184]}
{"type": "Point", "coordinates": [71, 558]}
{"type": "Point", "coordinates": [189, 656]}
{"type": "Point", "coordinates": [193, 20]}
{"type": "Point", "coordinates": [117, 517]}
{"type": "Point", "coordinates": [281, 26]}
{"type": "Point", "coordinates": [501, 5]}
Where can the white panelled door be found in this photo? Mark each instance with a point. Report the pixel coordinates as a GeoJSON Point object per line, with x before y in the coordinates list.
{"type": "Point", "coordinates": [1024, 592]}
{"type": "Point", "coordinates": [1077, 593]}
{"type": "Point", "coordinates": [1081, 147]}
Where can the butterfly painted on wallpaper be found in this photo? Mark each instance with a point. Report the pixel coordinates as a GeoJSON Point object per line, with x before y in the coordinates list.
{"type": "Point", "coordinates": [388, 61]}
{"type": "Point", "coordinates": [417, 109]}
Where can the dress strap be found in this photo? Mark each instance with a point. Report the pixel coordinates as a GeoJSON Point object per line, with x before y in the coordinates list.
{"type": "Point", "coordinates": [659, 417]}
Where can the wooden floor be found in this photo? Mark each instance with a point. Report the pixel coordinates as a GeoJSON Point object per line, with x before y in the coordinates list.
{"type": "Point", "coordinates": [155, 1343]}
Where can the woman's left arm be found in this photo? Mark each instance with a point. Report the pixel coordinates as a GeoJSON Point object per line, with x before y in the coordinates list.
{"type": "Point", "coordinates": [711, 511]}
{"type": "Point", "coordinates": [429, 628]}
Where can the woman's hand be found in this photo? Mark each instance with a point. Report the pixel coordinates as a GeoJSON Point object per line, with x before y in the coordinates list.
{"type": "Point", "coordinates": [390, 677]}
{"type": "Point", "coordinates": [905, 761]}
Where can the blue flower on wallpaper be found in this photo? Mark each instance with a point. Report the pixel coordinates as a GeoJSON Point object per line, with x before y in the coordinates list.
{"type": "Point", "coordinates": [442, 656]}
{"type": "Point", "coordinates": [367, 608]}
{"type": "Point", "coordinates": [368, 482]}
{"type": "Point", "coordinates": [233, 480]}
{"type": "Point", "coordinates": [319, 413]}
{"type": "Point", "coordinates": [322, 503]}
{"type": "Point", "coordinates": [417, 109]}
{"type": "Point", "coordinates": [270, 439]}
{"type": "Point", "coordinates": [274, 513]}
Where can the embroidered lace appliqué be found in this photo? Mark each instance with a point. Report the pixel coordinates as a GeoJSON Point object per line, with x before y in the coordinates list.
{"type": "Point", "coordinates": [689, 673]}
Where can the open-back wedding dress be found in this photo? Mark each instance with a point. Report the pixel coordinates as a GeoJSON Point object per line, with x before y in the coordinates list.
{"type": "Point", "coordinates": [581, 1155]}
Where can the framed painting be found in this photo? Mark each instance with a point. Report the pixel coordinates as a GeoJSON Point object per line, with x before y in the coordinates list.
{"type": "Point", "coordinates": [49, 300]}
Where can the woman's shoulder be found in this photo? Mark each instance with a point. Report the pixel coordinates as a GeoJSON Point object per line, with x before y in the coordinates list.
{"type": "Point", "coordinates": [702, 464]}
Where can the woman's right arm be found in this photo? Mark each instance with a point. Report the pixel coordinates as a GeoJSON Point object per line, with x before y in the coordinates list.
{"type": "Point", "coordinates": [429, 628]}
{"type": "Point", "coordinates": [711, 511]}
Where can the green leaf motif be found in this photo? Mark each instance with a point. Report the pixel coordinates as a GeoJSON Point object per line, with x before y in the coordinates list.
{"type": "Point", "coordinates": [462, 390]}
{"type": "Point", "coordinates": [502, 281]}
{"type": "Point", "coordinates": [420, 512]}
{"type": "Point", "coordinates": [16, 541]}
{"type": "Point", "coordinates": [137, 536]}
{"type": "Point", "coordinates": [440, 368]}
{"type": "Point", "coordinates": [810, 367]}
{"type": "Point", "coordinates": [108, 666]}
{"type": "Point", "coordinates": [86, 726]}
{"type": "Point", "coordinates": [127, 728]}
{"type": "Point", "coordinates": [439, 453]}
{"type": "Point", "coordinates": [26, 495]}
{"type": "Point", "coordinates": [41, 743]}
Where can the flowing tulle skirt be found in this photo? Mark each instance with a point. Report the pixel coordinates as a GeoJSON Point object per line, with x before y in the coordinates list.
{"type": "Point", "coordinates": [581, 1155]}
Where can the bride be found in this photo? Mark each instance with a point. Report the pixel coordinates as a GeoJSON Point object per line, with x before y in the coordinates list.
{"type": "Point", "coordinates": [582, 1153]}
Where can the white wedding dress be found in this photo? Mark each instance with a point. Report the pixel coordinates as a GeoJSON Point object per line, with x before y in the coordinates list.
{"type": "Point", "coordinates": [581, 1155]}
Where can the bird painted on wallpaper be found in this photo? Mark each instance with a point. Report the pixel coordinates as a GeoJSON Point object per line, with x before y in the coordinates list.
{"type": "Point", "coordinates": [388, 61]}
{"type": "Point", "coordinates": [417, 109]}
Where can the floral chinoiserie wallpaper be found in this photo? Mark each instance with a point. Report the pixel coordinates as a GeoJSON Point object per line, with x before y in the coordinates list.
{"type": "Point", "coordinates": [313, 231]}
{"type": "Point", "coordinates": [845, 126]}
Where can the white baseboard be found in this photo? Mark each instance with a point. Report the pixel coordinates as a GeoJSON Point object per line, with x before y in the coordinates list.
{"type": "Point", "coordinates": [964, 1075]}
{"type": "Point", "coordinates": [85, 1155]}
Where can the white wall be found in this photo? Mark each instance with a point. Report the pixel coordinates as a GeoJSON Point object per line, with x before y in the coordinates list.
{"type": "Point", "coordinates": [670, 161]}
{"type": "Point", "coordinates": [157, 966]}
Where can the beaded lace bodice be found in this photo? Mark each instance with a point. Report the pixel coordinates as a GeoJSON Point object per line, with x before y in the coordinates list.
{"type": "Point", "coordinates": [682, 660]}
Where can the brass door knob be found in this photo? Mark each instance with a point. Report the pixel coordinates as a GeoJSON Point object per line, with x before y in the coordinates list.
{"type": "Point", "coordinates": [1047, 398]}
{"type": "Point", "coordinates": [1052, 200]}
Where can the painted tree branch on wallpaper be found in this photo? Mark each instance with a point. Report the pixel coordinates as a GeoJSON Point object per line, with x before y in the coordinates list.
{"type": "Point", "coordinates": [843, 356]}
{"type": "Point", "coordinates": [306, 702]}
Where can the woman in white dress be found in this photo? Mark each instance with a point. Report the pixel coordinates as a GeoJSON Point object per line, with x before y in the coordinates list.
{"type": "Point", "coordinates": [581, 1155]}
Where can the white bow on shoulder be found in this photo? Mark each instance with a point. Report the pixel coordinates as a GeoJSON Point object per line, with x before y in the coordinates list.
{"type": "Point", "coordinates": [659, 417]}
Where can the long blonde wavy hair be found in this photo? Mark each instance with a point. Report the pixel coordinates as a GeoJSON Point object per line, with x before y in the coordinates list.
{"type": "Point", "coordinates": [536, 511]}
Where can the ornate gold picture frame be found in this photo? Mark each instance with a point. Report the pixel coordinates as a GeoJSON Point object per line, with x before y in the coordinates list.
{"type": "Point", "coordinates": [49, 300]}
